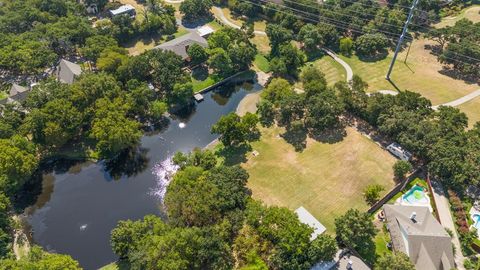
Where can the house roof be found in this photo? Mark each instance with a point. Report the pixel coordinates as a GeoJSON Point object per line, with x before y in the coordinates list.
{"type": "Point", "coordinates": [17, 93]}
{"type": "Point", "coordinates": [306, 218]}
{"type": "Point", "coordinates": [180, 45]}
{"type": "Point", "coordinates": [67, 71]}
{"type": "Point", "coordinates": [122, 9]}
{"type": "Point", "coordinates": [423, 238]}
{"type": "Point", "coordinates": [205, 30]}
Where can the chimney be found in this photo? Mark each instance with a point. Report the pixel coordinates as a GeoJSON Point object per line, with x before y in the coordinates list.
{"type": "Point", "coordinates": [413, 216]}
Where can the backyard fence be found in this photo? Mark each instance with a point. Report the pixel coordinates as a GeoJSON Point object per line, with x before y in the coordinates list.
{"type": "Point", "coordinates": [395, 190]}
{"type": "Point", "coordinates": [430, 189]}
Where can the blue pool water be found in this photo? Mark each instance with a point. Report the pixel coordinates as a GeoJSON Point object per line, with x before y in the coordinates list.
{"type": "Point", "coordinates": [476, 220]}
{"type": "Point", "coordinates": [415, 195]}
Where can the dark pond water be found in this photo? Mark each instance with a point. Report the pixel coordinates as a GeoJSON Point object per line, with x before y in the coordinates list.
{"type": "Point", "coordinates": [81, 203]}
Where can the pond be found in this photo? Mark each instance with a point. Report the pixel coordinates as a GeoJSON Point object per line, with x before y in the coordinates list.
{"type": "Point", "coordinates": [81, 203]}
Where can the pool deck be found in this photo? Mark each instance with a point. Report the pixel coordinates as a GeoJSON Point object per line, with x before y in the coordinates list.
{"type": "Point", "coordinates": [401, 201]}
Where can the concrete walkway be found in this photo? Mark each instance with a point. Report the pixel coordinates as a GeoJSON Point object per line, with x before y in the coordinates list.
{"type": "Point", "coordinates": [460, 101]}
{"type": "Point", "coordinates": [443, 208]}
{"type": "Point", "coordinates": [344, 64]}
{"type": "Point", "coordinates": [349, 71]}
{"type": "Point", "coordinates": [221, 16]}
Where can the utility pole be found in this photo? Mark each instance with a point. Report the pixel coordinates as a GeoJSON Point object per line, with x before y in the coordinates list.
{"type": "Point", "coordinates": [400, 40]}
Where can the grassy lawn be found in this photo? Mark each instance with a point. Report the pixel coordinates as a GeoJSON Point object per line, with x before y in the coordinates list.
{"type": "Point", "coordinates": [263, 44]}
{"type": "Point", "coordinates": [326, 178]}
{"type": "Point", "coordinates": [381, 241]}
{"type": "Point", "coordinates": [334, 72]}
{"type": "Point", "coordinates": [257, 25]}
{"type": "Point", "coordinates": [116, 266]}
{"type": "Point", "coordinates": [215, 25]}
{"type": "Point", "coordinates": [472, 13]}
{"type": "Point", "coordinates": [3, 95]}
{"type": "Point", "coordinates": [202, 83]}
{"type": "Point", "coordinates": [262, 63]}
{"type": "Point", "coordinates": [420, 74]}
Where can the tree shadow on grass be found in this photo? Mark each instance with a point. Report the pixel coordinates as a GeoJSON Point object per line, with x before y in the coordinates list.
{"type": "Point", "coordinates": [373, 58]}
{"type": "Point", "coordinates": [332, 135]}
{"type": "Point", "coordinates": [234, 155]}
{"type": "Point", "coordinates": [296, 137]}
{"type": "Point", "coordinates": [200, 73]}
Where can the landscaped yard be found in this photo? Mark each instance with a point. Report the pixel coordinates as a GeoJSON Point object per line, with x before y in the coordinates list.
{"type": "Point", "coordinates": [326, 178]}
{"type": "Point", "coordinates": [420, 74]}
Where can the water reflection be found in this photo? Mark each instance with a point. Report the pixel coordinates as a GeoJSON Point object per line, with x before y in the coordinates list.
{"type": "Point", "coordinates": [129, 163]}
{"type": "Point", "coordinates": [80, 204]}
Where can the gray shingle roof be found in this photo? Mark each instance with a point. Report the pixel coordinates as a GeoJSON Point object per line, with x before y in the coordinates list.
{"type": "Point", "coordinates": [180, 45]}
{"type": "Point", "coordinates": [423, 239]}
{"type": "Point", "coordinates": [17, 93]}
{"type": "Point", "coordinates": [67, 71]}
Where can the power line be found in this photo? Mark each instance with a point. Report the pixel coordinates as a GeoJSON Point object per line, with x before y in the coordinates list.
{"type": "Point", "coordinates": [372, 15]}
{"type": "Point", "coordinates": [366, 5]}
{"type": "Point", "coordinates": [336, 22]}
{"type": "Point", "coordinates": [347, 28]}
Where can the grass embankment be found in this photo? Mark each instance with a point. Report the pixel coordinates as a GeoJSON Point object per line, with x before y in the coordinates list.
{"type": "Point", "coordinates": [326, 178]}
{"type": "Point", "coordinates": [116, 266]}
{"type": "Point", "coordinates": [422, 74]}
{"type": "Point", "coordinates": [262, 63]}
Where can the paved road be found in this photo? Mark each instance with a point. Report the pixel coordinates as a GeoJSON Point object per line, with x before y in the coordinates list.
{"type": "Point", "coordinates": [461, 100]}
{"type": "Point", "coordinates": [226, 21]}
{"type": "Point", "coordinates": [443, 208]}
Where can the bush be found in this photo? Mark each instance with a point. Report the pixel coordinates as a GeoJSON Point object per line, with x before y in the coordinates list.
{"type": "Point", "coordinates": [346, 46]}
{"type": "Point", "coordinates": [372, 193]}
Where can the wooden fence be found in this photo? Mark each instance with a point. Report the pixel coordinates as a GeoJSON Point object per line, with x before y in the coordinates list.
{"type": "Point", "coordinates": [418, 172]}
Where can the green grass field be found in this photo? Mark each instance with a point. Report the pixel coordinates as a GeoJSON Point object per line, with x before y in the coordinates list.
{"type": "Point", "coordinates": [261, 62]}
{"type": "Point", "coordinates": [334, 72]}
{"type": "Point", "coordinates": [421, 73]}
{"type": "Point", "coordinates": [326, 178]}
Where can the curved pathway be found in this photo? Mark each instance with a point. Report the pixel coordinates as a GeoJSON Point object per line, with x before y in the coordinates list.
{"type": "Point", "coordinates": [226, 21]}
{"type": "Point", "coordinates": [349, 71]}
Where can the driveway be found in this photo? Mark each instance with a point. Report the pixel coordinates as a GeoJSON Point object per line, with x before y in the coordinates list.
{"type": "Point", "coordinates": [443, 208]}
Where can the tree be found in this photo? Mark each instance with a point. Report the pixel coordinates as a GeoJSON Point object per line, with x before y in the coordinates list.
{"type": "Point", "coordinates": [166, 69]}
{"type": "Point", "coordinates": [39, 259]}
{"type": "Point", "coordinates": [277, 35]}
{"type": "Point", "coordinates": [394, 261]}
{"type": "Point", "coordinates": [195, 9]}
{"type": "Point", "coordinates": [277, 90]}
{"type": "Point", "coordinates": [220, 62]}
{"type": "Point", "coordinates": [323, 111]}
{"type": "Point", "coordinates": [235, 130]}
{"type": "Point", "coordinates": [17, 163]}
{"type": "Point", "coordinates": [241, 54]}
{"type": "Point", "coordinates": [197, 54]}
{"type": "Point", "coordinates": [356, 230]}
{"type": "Point", "coordinates": [157, 109]}
{"type": "Point", "coordinates": [371, 44]}
{"type": "Point", "coordinates": [196, 197]}
{"type": "Point", "coordinates": [311, 37]}
{"type": "Point", "coordinates": [198, 158]}
{"type": "Point", "coordinates": [292, 57]}
{"type": "Point", "coordinates": [372, 193]}
{"type": "Point", "coordinates": [401, 168]}
{"type": "Point", "coordinates": [95, 45]}
{"type": "Point", "coordinates": [111, 59]}
{"type": "Point", "coordinates": [111, 128]}
{"type": "Point", "coordinates": [346, 46]}
{"type": "Point", "coordinates": [181, 94]}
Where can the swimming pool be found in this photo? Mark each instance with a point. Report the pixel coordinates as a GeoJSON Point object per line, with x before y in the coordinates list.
{"type": "Point", "coordinates": [416, 196]}
{"type": "Point", "coordinates": [476, 222]}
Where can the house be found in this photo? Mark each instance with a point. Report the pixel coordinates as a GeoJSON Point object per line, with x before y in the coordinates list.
{"type": "Point", "coordinates": [306, 218]}
{"type": "Point", "coordinates": [123, 10]}
{"type": "Point", "coordinates": [67, 71]}
{"type": "Point", "coordinates": [180, 45]}
{"type": "Point", "coordinates": [415, 232]}
{"type": "Point", "coordinates": [399, 152]}
{"type": "Point", "coordinates": [17, 94]}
